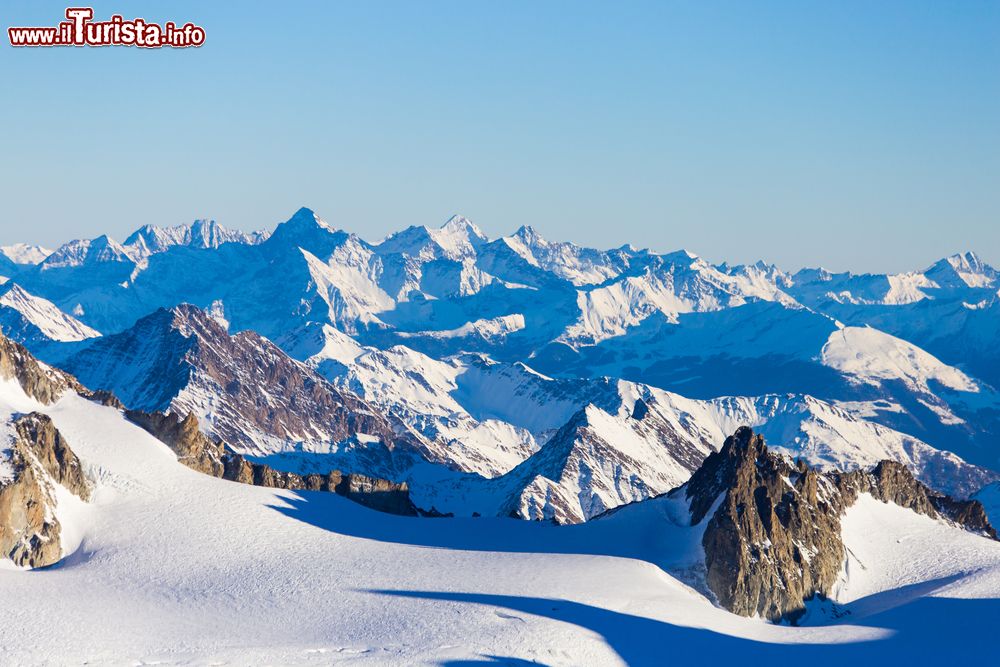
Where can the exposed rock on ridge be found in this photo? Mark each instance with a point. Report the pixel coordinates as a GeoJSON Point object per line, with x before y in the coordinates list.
{"type": "Point", "coordinates": [773, 536]}
{"type": "Point", "coordinates": [39, 381]}
{"type": "Point", "coordinates": [199, 452]}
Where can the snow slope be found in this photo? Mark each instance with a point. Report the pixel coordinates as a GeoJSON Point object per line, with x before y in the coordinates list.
{"type": "Point", "coordinates": [890, 548]}
{"type": "Point", "coordinates": [174, 567]}
{"type": "Point", "coordinates": [30, 319]}
{"type": "Point", "coordinates": [870, 355]}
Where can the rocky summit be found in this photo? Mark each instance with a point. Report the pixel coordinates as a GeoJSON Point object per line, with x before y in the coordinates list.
{"type": "Point", "coordinates": [772, 528]}
{"type": "Point", "coordinates": [38, 459]}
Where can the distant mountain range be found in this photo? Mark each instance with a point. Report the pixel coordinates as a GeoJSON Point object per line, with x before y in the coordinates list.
{"type": "Point", "coordinates": [518, 376]}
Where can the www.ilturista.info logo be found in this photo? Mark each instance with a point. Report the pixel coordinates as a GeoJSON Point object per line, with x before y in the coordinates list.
{"type": "Point", "coordinates": [81, 30]}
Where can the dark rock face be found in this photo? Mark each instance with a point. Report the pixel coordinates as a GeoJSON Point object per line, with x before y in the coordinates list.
{"type": "Point", "coordinates": [773, 535]}
{"type": "Point", "coordinates": [199, 452]}
{"type": "Point", "coordinates": [38, 457]}
{"type": "Point", "coordinates": [171, 360]}
{"type": "Point", "coordinates": [39, 381]}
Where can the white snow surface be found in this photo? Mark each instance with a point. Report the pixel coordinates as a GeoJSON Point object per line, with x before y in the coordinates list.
{"type": "Point", "coordinates": [672, 285]}
{"type": "Point", "coordinates": [871, 356]}
{"type": "Point", "coordinates": [45, 315]}
{"type": "Point", "coordinates": [172, 567]}
{"type": "Point", "coordinates": [890, 548]}
{"type": "Point", "coordinates": [488, 329]}
{"type": "Point", "coordinates": [25, 253]}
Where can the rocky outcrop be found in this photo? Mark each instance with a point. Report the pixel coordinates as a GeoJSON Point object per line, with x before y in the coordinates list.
{"type": "Point", "coordinates": [39, 381]}
{"type": "Point", "coordinates": [378, 494]}
{"type": "Point", "coordinates": [105, 398]}
{"type": "Point", "coordinates": [192, 447]}
{"type": "Point", "coordinates": [772, 535]}
{"type": "Point", "coordinates": [37, 459]}
{"type": "Point", "coordinates": [212, 457]}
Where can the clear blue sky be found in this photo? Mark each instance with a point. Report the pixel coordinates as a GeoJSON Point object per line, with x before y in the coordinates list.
{"type": "Point", "coordinates": [856, 135]}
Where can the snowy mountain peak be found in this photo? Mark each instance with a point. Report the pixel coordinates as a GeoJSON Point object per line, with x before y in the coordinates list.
{"type": "Point", "coordinates": [12, 291]}
{"type": "Point", "coordinates": [968, 261]}
{"type": "Point", "coordinates": [206, 229]}
{"type": "Point", "coordinates": [83, 251]}
{"type": "Point", "coordinates": [461, 224]}
{"type": "Point", "coordinates": [308, 231]}
{"type": "Point", "coordinates": [149, 239]}
{"type": "Point", "coordinates": [23, 253]}
{"type": "Point", "coordinates": [303, 221]}
{"type": "Point", "coordinates": [306, 216]}
{"type": "Point", "coordinates": [527, 235]}
{"type": "Point", "coordinates": [188, 320]}
{"type": "Point", "coordinates": [680, 257]}
{"type": "Point", "coordinates": [457, 239]}
{"type": "Point", "coordinates": [963, 270]}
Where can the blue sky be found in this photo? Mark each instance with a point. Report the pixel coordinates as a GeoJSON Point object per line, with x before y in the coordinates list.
{"type": "Point", "coordinates": [854, 135]}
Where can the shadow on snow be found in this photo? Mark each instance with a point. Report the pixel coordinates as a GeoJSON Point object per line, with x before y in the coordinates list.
{"type": "Point", "coordinates": [914, 628]}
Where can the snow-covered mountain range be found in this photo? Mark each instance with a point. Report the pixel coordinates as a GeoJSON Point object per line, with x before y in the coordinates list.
{"type": "Point", "coordinates": [483, 350]}
{"type": "Point", "coordinates": [491, 379]}
{"type": "Point", "coordinates": [519, 375]}
{"type": "Point", "coordinates": [426, 301]}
